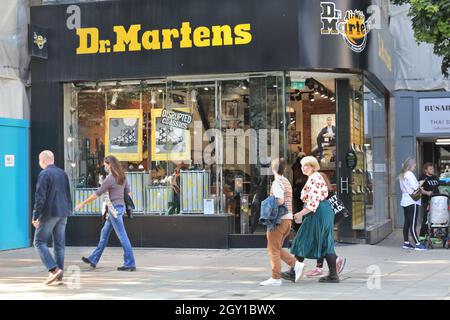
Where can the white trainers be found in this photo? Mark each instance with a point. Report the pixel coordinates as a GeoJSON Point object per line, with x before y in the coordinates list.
{"type": "Point", "coordinates": [271, 282]}
{"type": "Point", "coordinates": [299, 269]}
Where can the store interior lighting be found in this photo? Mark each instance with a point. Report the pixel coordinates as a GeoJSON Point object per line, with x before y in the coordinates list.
{"type": "Point", "coordinates": [194, 96]}
{"type": "Point", "coordinates": [442, 142]}
{"type": "Point", "coordinates": [153, 98]}
{"type": "Point", "coordinates": [114, 98]}
{"type": "Point", "coordinates": [245, 84]}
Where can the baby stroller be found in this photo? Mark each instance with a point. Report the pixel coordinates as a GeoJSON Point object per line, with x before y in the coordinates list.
{"type": "Point", "coordinates": [438, 221]}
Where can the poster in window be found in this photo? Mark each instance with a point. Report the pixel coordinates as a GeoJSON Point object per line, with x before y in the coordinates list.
{"type": "Point", "coordinates": [294, 137]}
{"type": "Point", "coordinates": [230, 110]}
{"type": "Point", "coordinates": [171, 138]}
{"type": "Point", "coordinates": [124, 134]}
{"type": "Point", "coordinates": [323, 139]}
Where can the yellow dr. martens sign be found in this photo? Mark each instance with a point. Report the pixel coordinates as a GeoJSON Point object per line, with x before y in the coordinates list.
{"type": "Point", "coordinates": [135, 39]}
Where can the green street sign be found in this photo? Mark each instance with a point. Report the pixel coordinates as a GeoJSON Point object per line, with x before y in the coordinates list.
{"type": "Point", "coordinates": [298, 85]}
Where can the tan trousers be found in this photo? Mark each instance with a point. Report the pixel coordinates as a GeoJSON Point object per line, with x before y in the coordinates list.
{"type": "Point", "coordinates": [275, 239]}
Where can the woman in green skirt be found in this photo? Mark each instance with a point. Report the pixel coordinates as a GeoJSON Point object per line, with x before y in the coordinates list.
{"type": "Point", "coordinates": [315, 239]}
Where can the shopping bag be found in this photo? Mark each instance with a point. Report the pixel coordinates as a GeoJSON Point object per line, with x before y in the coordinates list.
{"type": "Point", "coordinates": [340, 211]}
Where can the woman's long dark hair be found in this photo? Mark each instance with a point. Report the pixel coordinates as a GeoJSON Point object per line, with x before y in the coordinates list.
{"type": "Point", "coordinates": [116, 169]}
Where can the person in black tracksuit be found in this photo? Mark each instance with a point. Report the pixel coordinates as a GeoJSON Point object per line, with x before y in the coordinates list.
{"type": "Point", "coordinates": [430, 187]}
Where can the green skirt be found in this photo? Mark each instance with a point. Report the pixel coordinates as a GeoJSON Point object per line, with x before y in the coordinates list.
{"type": "Point", "coordinates": [315, 237]}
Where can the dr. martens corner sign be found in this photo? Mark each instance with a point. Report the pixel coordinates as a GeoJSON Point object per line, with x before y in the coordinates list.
{"type": "Point", "coordinates": [353, 26]}
{"type": "Point", "coordinates": [134, 38]}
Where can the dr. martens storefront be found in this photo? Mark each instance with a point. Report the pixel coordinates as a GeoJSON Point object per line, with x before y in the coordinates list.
{"type": "Point", "coordinates": [196, 97]}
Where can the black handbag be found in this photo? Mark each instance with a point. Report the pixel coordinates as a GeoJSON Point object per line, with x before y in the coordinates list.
{"type": "Point", "coordinates": [129, 205]}
{"type": "Point", "coordinates": [340, 211]}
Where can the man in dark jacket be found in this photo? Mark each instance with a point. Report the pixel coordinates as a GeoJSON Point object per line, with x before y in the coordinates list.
{"type": "Point", "coordinates": [52, 205]}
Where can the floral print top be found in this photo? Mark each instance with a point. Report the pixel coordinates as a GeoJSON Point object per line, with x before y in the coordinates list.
{"type": "Point", "coordinates": [315, 190]}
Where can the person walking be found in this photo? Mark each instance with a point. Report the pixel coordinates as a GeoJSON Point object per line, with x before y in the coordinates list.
{"type": "Point", "coordinates": [52, 206]}
{"type": "Point", "coordinates": [408, 185]}
{"type": "Point", "coordinates": [315, 239]}
{"type": "Point", "coordinates": [116, 185]}
{"type": "Point", "coordinates": [318, 270]}
{"type": "Point", "coordinates": [282, 191]}
{"type": "Point", "coordinates": [430, 187]}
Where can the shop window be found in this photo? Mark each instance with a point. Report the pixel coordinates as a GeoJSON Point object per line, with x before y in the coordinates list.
{"type": "Point", "coordinates": [359, 173]}
{"type": "Point", "coordinates": [172, 138]}
{"type": "Point", "coordinates": [375, 186]}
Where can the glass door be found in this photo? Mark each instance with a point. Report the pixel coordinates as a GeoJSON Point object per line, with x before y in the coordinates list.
{"type": "Point", "coordinates": [251, 122]}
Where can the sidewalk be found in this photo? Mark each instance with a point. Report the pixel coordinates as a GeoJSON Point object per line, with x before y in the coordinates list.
{"type": "Point", "coordinates": [230, 274]}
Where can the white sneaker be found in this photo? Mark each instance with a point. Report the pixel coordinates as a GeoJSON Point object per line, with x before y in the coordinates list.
{"type": "Point", "coordinates": [299, 269]}
{"type": "Point", "coordinates": [271, 282]}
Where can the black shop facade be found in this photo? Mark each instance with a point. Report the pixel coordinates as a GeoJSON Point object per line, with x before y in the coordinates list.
{"type": "Point", "coordinates": [196, 98]}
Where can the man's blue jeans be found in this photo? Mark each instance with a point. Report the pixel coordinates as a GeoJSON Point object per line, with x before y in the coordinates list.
{"type": "Point", "coordinates": [55, 227]}
{"type": "Point", "coordinates": [118, 226]}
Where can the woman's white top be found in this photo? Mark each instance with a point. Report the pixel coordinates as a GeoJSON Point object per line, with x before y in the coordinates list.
{"type": "Point", "coordinates": [408, 185]}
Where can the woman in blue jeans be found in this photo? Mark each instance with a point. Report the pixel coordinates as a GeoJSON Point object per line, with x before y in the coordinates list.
{"type": "Point", "coordinates": [114, 187]}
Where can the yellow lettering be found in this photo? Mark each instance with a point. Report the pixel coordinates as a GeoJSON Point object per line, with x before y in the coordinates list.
{"type": "Point", "coordinates": [104, 45]}
{"type": "Point", "coordinates": [85, 34]}
{"type": "Point", "coordinates": [167, 37]}
{"type": "Point", "coordinates": [186, 31]}
{"type": "Point", "coordinates": [129, 38]}
{"type": "Point", "coordinates": [201, 37]}
{"type": "Point", "coordinates": [152, 44]}
{"type": "Point", "coordinates": [242, 33]}
{"type": "Point", "coordinates": [218, 40]}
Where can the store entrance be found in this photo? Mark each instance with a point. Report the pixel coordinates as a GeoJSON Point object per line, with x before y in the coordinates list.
{"type": "Point", "coordinates": [311, 127]}
{"type": "Point", "coordinates": [437, 152]}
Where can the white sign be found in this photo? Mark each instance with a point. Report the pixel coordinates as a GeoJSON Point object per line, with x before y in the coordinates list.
{"type": "Point", "coordinates": [9, 160]}
{"type": "Point", "coordinates": [435, 115]}
{"type": "Point", "coordinates": [297, 76]}
{"type": "Point", "coordinates": [380, 167]}
{"type": "Point", "coordinates": [208, 206]}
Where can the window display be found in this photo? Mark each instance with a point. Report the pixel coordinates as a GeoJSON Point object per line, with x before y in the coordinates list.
{"type": "Point", "coordinates": [171, 138]}
{"type": "Point", "coordinates": [124, 134]}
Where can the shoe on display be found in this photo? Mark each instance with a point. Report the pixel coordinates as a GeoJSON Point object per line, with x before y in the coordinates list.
{"type": "Point", "coordinates": [407, 245]}
{"type": "Point", "coordinates": [271, 282]}
{"type": "Point", "coordinates": [340, 264]}
{"type": "Point", "coordinates": [299, 269]}
{"type": "Point", "coordinates": [316, 272]}
{"type": "Point", "coordinates": [288, 275]}
{"type": "Point", "coordinates": [126, 138]}
{"type": "Point", "coordinates": [330, 279]}
{"type": "Point", "coordinates": [420, 247]}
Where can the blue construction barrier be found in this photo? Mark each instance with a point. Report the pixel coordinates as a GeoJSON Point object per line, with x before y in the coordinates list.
{"type": "Point", "coordinates": [14, 184]}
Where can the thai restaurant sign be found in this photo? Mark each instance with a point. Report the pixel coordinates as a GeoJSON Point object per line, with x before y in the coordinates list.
{"type": "Point", "coordinates": [435, 115]}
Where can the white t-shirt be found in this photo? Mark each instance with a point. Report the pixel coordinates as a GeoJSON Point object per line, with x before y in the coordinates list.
{"type": "Point", "coordinates": [278, 192]}
{"type": "Point", "coordinates": [408, 185]}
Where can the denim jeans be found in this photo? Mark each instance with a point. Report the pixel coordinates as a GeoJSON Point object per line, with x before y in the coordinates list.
{"type": "Point", "coordinates": [55, 227]}
{"type": "Point", "coordinates": [118, 226]}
